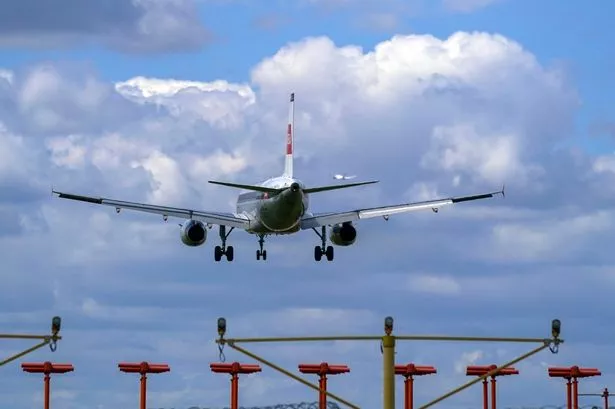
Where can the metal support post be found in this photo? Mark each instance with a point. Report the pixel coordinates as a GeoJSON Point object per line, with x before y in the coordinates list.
{"type": "Point", "coordinates": [481, 370]}
{"type": "Point", "coordinates": [322, 370]}
{"type": "Point", "coordinates": [234, 370]}
{"type": "Point", "coordinates": [605, 395]}
{"type": "Point", "coordinates": [409, 371]}
{"type": "Point", "coordinates": [47, 368]}
{"type": "Point", "coordinates": [143, 369]}
{"type": "Point", "coordinates": [572, 374]}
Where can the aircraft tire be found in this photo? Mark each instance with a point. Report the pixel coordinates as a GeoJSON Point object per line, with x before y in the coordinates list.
{"type": "Point", "coordinates": [317, 253]}
{"type": "Point", "coordinates": [230, 253]}
{"type": "Point", "coordinates": [329, 253]}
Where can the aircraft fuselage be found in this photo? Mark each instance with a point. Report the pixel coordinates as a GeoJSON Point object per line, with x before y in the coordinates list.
{"type": "Point", "coordinates": [275, 214]}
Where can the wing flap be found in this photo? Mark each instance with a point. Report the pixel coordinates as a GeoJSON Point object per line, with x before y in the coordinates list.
{"type": "Point", "coordinates": [224, 219]}
{"type": "Point", "coordinates": [327, 219]}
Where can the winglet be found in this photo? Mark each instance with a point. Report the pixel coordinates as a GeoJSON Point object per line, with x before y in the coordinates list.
{"type": "Point", "coordinates": [503, 192]}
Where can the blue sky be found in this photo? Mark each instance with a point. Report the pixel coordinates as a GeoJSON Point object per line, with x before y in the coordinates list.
{"type": "Point", "coordinates": [461, 101]}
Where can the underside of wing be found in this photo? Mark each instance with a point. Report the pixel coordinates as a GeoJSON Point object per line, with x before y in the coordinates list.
{"type": "Point", "coordinates": [223, 219]}
{"type": "Point", "coordinates": [328, 219]}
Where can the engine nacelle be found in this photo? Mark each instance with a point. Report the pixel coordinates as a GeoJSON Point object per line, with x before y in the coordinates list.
{"type": "Point", "coordinates": [343, 234]}
{"type": "Point", "coordinates": [193, 233]}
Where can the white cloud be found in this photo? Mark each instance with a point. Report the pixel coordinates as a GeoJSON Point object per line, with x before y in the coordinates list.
{"type": "Point", "coordinates": [66, 153]}
{"type": "Point", "coordinates": [604, 164]}
{"type": "Point", "coordinates": [432, 284]}
{"type": "Point", "coordinates": [466, 359]}
{"type": "Point", "coordinates": [494, 158]}
{"type": "Point", "coordinates": [544, 239]}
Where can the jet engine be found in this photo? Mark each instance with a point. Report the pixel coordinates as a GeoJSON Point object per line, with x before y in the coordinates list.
{"type": "Point", "coordinates": [193, 233]}
{"type": "Point", "coordinates": [343, 234]}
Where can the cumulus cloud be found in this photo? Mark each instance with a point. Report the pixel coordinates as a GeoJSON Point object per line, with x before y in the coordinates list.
{"type": "Point", "coordinates": [142, 26]}
{"type": "Point", "coordinates": [426, 116]}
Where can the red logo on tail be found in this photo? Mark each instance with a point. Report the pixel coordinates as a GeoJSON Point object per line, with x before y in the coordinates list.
{"type": "Point", "coordinates": [289, 140]}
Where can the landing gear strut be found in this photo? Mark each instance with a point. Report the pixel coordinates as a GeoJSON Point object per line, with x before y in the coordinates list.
{"type": "Point", "coordinates": [261, 253]}
{"type": "Point", "coordinates": [323, 249]}
{"type": "Point", "coordinates": [220, 251]}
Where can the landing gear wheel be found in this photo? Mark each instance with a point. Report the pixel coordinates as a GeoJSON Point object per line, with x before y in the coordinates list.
{"type": "Point", "coordinates": [223, 250]}
{"type": "Point", "coordinates": [323, 249]}
{"type": "Point", "coordinates": [262, 253]}
{"type": "Point", "coordinates": [230, 253]}
{"type": "Point", "coordinates": [329, 253]}
{"type": "Point", "coordinates": [317, 253]}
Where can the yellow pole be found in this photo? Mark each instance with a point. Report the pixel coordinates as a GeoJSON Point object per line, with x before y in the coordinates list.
{"type": "Point", "coordinates": [388, 372]}
{"type": "Point", "coordinates": [388, 365]}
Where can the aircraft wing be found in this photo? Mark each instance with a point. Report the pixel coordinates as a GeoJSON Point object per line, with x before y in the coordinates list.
{"type": "Point", "coordinates": [221, 219]}
{"type": "Point", "coordinates": [328, 219]}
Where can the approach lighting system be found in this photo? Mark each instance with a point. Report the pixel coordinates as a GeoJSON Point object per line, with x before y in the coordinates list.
{"type": "Point", "coordinates": [56, 324]}
{"type": "Point", "coordinates": [556, 327]}
{"type": "Point", "coordinates": [221, 326]}
{"type": "Point", "coordinates": [388, 325]}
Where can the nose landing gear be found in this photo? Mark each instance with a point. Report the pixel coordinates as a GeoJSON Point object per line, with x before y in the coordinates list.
{"type": "Point", "coordinates": [261, 253]}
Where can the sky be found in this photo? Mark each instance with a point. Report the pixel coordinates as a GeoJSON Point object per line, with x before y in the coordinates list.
{"type": "Point", "coordinates": [146, 100]}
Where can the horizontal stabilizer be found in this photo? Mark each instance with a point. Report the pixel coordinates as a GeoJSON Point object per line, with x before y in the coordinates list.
{"type": "Point", "coordinates": [273, 190]}
{"type": "Point", "coordinates": [247, 187]}
{"type": "Point", "coordinates": [335, 187]}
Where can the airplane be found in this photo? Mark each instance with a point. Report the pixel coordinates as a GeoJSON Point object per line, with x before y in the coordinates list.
{"type": "Point", "coordinates": [339, 176]}
{"type": "Point", "coordinates": [277, 206]}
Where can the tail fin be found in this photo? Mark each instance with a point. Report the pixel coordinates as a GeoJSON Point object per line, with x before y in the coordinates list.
{"type": "Point", "coordinates": [290, 136]}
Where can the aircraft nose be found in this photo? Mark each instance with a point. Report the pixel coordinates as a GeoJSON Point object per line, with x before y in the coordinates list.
{"type": "Point", "coordinates": [294, 187]}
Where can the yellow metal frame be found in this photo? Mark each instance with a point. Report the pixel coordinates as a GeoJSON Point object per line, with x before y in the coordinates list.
{"type": "Point", "coordinates": [388, 342]}
{"type": "Point", "coordinates": [50, 340]}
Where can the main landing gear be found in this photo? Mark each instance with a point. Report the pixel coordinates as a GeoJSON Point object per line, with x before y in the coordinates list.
{"type": "Point", "coordinates": [323, 249]}
{"type": "Point", "coordinates": [220, 251]}
{"type": "Point", "coordinates": [261, 253]}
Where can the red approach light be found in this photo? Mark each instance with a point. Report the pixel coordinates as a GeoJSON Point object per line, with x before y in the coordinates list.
{"type": "Point", "coordinates": [573, 372]}
{"type": "Point", "coordinates": [414, 370]}
{"type": "Point", "coordinates": [46, 368]}
{"type": "Point", "coordinates": [235, 368]}
{"type": "Point", "coordinates": [143, 367]}
{"type": "Point", "coordinates": [480, 370]}
{"type": "Point", "coordinates": [323, 369]}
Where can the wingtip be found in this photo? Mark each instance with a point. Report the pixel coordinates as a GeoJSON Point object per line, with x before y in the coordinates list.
{"type": "Point", "coordinates": [503, 191]}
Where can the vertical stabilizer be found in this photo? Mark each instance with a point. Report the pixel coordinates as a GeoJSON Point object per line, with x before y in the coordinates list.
{"type": "Point", "coordinates": [290, 136]}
